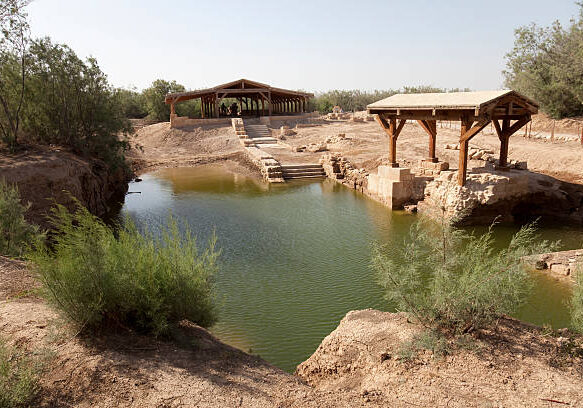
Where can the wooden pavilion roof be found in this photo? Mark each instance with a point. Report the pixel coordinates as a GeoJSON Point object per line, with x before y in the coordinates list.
{"type": "Point", "coordinates": [454, 105]}
{"type": "Point", "coordinates": [239, 88]}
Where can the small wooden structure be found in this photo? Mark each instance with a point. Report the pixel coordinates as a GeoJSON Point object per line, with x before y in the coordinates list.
{"type": "Point", "coordinates": [248, 93]}
{"type": "Point", "coordinates": [507, 110]}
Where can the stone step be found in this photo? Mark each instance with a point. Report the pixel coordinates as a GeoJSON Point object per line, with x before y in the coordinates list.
{"type": "Point", "coordinates": [301, 166]}
{"type": "Point", "coordinates": [300, 176]}
{"type": "Point", "coordinates": [302, 171]}
{"type": "Point", "coordinates": [263, 140]}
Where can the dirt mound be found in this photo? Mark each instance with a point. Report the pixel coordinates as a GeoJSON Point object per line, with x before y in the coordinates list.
{"type": "Point", "coordinates": [45, 175]}
{"type": "Point", "coordinates": [158, 146]}
{"type": "Point", "coordinates": [515, 365]}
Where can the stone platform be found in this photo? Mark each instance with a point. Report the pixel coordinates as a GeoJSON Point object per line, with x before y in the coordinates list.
{"type": "Point", "coordinates": [393, 186]}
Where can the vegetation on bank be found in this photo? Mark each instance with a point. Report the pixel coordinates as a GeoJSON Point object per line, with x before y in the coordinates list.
{"type": "Point", "coordinates": [577, 301]}
{"type": "Point", "coordinates": [456, 282]}
{"type": "Point", "coordinates": [98, 277]}
{"type": "Point", "coordinates": [16, 234]}
{"type": "Point", "coordinates": [18, 378]}
{"type": "Point", "coordinates": [48, 95]}
{"type": "Point", "coordinates": [546, 64]}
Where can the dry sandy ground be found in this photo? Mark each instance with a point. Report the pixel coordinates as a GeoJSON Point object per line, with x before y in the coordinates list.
{"type": "Point", "coordinates": [513, 365]}
{"type": "Point", "coordinates": [356, 365]}
{"type": "Point", "coordinates": [366, 145]}
{"type": "Point", "coordinates": [157, 146]}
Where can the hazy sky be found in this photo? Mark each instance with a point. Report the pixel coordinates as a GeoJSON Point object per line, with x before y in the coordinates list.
{"type": "Point", "coordinates": [312, 45]}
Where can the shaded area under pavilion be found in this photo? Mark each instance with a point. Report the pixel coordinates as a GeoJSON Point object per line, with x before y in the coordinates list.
{"type": "Point", "coordinates": [253, 99]}
{"type": "Point", "coordinates": [506, 109]}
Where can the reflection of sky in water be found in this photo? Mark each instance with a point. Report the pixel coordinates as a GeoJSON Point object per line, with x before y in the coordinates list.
{"type": "Point", "coordinates": [295, 257]}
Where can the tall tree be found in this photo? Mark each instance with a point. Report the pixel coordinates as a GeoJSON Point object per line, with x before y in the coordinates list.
{"type": "Point", "coordinates": [14, 41]}
{"type": "Point", "coordinates": [546, 64]}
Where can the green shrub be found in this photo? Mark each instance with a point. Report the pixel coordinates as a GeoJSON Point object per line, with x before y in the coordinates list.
{"type": "Point", "coordinates": [100, 277]}
{"type": "Point", "coordinates": [577, 301]}
{"type": "Point", "coordinates": [15, 232]}
{"type": "Point", "coordinates": [18, 379]}
{"type": "Point", "coordinates": [453, 280]}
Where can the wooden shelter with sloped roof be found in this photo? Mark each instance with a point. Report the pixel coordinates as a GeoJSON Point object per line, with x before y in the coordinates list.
{"type": "Point", "coordinates": [253, 98]}
{"type": "Point", "coordinates": [506, 109]}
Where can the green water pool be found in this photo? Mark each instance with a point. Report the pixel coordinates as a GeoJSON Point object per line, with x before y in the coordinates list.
{"type": "Point", "coordinates": [296, 257]}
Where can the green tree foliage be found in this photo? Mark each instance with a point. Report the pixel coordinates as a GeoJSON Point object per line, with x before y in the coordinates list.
{"type": "Point", "coordinates": [69, 102]}
{"type": "Point", "coordinates": [98, 277]}
{"type": "Point", "coordinates": [16, 234]}
{"type": "Point", "coordinates": [456, 281]}
{"type": "Point", "coordinates": [546, 64]}
{"type": "Point", "coordinates": [159, 110]}
{"type": "Point", "coordinates": [133, 103]}
{"type": "Point", "coordinates": [14, 40]}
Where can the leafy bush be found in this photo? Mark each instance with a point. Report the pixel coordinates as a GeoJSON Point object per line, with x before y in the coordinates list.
{"type": "Point", "coordinates": [453, 280]}
{"type": "Point", "coordinates": [132, 102]}
{"type": "Point", "coordinates": [577, 301]}
{"type": "Point", "coordinates": [98, 277]}
{"type": "Point", "coordinates": [15, 232]}
{"type": "Point", "coordinates": [18, 379]}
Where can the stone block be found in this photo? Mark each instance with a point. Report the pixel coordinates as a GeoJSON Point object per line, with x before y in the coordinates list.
{"type": "Point", "coordinates": [435, 166]}
{"type": "Point", "coordinates": [560, 269]}
{"type": "Point", "coordinates": [395, 173]}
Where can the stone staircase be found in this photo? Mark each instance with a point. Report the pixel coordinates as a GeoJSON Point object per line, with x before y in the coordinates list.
{"type": "Point", "coordinates": [259, 134]}
{"type": "Point", "coordinates": [302, 171]}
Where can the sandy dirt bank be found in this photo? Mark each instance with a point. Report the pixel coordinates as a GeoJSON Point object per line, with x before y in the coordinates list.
{"type": "Point", "coordinates": [355, 366]}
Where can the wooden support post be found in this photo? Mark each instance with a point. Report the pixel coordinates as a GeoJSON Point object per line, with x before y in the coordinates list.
{"type": "Point", "coordinates": [503, 160]}
{"type": "Point", "coordinates": [172, 109]}
{"type": "Point", "coordinates": [392, 130]}
{"type": "Point", "coordinates": [269, 101]}
{"type": "Point", "coordinates": [463, 156]}
{"type": "Point", "coordinates": [202, 107]}
{"type": "Point", "coordinates": [217, 105]}
{"type": "Point", "coordinates": [430, 126]}
{"type": "Point", "coordinates": [504, 134]}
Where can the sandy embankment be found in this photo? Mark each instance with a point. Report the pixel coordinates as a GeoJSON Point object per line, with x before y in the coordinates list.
{"type": "Point", "coordinates": [357, 365]}
{"type": "Point", "coordinates": [158, 146]}
{"type": "Point", "coordinates": [48, 175]}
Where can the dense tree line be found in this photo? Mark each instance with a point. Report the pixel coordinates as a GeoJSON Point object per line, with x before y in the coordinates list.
{"type": "Point", "coordinates": [546, 64]}
{"type": "Point", "coordinates": [357, 100]}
